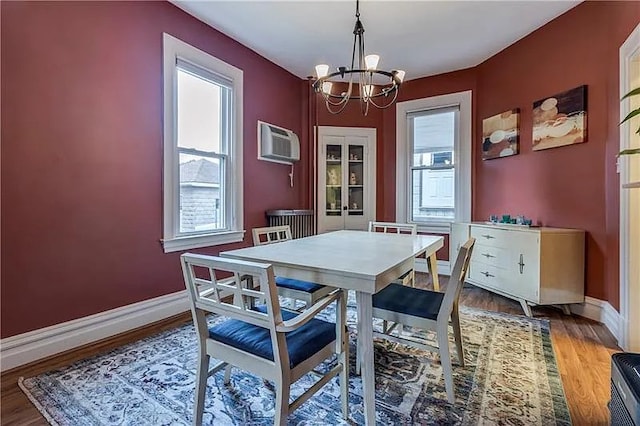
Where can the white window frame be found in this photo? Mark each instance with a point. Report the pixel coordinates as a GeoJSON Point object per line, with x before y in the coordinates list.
{"type": "Point", "coordinates": [462, 154]}
{"type": "Point", "coordinates": [173, 49]}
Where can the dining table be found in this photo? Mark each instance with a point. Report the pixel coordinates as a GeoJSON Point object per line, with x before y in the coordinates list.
{"type": "Point", "coordinates": [365, 262]}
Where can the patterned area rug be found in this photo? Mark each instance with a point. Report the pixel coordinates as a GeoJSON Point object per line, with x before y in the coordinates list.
{"type": "Point", "coordinates": [510, 377]}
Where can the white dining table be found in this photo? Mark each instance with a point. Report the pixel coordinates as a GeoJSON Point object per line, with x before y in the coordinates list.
{"type": "Point", "coordinates": [353, 260]}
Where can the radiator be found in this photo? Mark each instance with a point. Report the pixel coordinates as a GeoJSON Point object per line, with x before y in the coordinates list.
{"type": "Point", "coordinates": [301, 222]}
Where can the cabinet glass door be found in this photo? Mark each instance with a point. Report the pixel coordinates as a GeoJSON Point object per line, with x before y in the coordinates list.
{"type": "Point", "coordinates": [356, 180]}
{"type": "Point", "coordinates": [334, 180]}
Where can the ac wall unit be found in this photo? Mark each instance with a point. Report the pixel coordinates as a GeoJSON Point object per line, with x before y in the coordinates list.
{"type": "Point", "coordinates": [277, 144]}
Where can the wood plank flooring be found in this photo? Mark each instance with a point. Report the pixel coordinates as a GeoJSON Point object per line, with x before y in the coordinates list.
{"type": "Point", "coordinates": [583, 351]}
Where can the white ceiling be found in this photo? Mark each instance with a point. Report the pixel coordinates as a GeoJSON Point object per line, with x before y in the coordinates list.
{"type": "Point", "coordinates": [421, 37]}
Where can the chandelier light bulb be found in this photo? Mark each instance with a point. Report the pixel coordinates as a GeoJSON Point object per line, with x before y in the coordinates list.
{"type": "Point", "coordinates": [371, 61]}
{"type": "Point", "coordinates": [326, 87]}
{"type": "Point", "coordinates": [322, 70]}
{"type": "Point", "coordinates": [367, 90]}
{"type": "Point", "coordinates": [400, 75]}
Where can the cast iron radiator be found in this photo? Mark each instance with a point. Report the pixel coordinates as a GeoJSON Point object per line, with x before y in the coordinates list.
{"type": "Point", "coordinates": [301, 222]}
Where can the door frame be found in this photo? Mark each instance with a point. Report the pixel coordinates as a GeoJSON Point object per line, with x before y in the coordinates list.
{"type": "Point", "coordinates": [629, 326]}
{"type": "Point", "coordinates": [370, 133]}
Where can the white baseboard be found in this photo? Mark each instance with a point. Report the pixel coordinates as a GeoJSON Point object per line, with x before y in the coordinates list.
{"type": "Point", "coordinates": [34, 345]}
{"type": "Point", "coordinates": [443, 266]}
{"type": "Point", "coordinates": [601, 311]}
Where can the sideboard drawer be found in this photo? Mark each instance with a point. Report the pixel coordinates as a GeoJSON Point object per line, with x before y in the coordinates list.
{"type": "Point", "coordinates": [490, 236]}
{"type": "Point", "coordinates": [487, 275]}
{"type": "Point", "coordinates": [490, 255]}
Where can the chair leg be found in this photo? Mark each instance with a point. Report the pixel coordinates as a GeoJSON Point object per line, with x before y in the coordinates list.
{"type": "Point", "coordinates": [455, 323]}
{"type": "Point", "coordinates": [227, 374]}
{"type": "Point", "coordinates": [282, 403]}
{"type": "Point", "coordinates": [358, 355]}
{"type": "Point", "coordinates": [201, 385]}
{"type": "Point", "coordinates": [344, 355]}
{"type": "Point", "coordinates": [445, 360]}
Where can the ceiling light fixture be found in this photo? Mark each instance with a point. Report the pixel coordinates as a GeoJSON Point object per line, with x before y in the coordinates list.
{"type": "Point", "coordinates": [364, 69]}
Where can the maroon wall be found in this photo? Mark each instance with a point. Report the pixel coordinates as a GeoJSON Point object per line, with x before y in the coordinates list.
{"type": "Point", "coordinates": [572, 186]}
{"type": "Point", "coordinates": [82, 154]}
{"type": "Point", "coordinates": [82, 146]}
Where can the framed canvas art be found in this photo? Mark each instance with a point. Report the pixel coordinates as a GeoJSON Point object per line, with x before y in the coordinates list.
{"type": "Point", "coordinates": [560, 119]}
{"type": "Point", "coordinates": [500, 134]}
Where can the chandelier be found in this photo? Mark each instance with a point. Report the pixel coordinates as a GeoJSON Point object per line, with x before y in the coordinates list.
{"type": "Point", "coordinates": [363, 80]}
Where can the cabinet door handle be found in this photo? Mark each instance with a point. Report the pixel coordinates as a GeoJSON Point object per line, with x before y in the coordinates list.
{"type": "Point", "coordinates": [521, 263]}
{"type": "Point", "coordinates": [487, 274]}
{"type": "Point", "coordinates": [488, 255]}
{"type": "Point", "coordinates": [487, 236]}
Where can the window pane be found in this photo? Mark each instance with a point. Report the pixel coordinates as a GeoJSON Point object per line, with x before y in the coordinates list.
{"type": "Point", "coordinates": [199, 114]}
{"type": "Point", "coordinates": [432, 195]}
{"type": "Point", "coordinates": [433, 133]}
{"type": "Point", "coordinates": [201, 203]}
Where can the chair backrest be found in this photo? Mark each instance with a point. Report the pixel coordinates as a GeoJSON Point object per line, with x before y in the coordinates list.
{"type": "Point", "coordinates": [271, 234]}
{"type": "Point", "coordinates": [456, 280]}
{"type": "Point", "coordinates": [231, 287]}
{"type": "Point", "coordinates": [398, 228]}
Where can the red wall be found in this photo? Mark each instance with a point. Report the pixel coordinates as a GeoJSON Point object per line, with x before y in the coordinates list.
{"type": "Point", "coordinates": [82, 146]}
{"type": "Point", "coordinates": [572, 186]}
{"type": "Point", "coordinates": [82, 154]}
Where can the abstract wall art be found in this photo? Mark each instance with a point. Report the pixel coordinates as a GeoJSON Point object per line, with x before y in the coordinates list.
{"type": "Point", "coordinates": [560, 119]}
{"type": "Point", "coordinates": [500, 134]}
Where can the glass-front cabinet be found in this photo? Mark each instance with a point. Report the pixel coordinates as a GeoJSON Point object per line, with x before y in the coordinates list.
{"type": "Point", "coordinates": [345, 185]}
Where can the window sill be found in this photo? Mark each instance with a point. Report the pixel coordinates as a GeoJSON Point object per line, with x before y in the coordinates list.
{"type": "Point", "coordinates": [435, 228]}
{"type": "Point", "coordinates": [198, 241]}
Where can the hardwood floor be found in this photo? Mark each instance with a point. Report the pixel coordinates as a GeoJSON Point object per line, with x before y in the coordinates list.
{"type": "Point", "coordinates": [583, 351]}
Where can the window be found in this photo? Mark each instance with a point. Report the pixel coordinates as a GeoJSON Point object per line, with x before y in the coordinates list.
{"type": "Point", "coordinates": [434, 161]}
{"type": "Point", "coordinates": [202, 149]}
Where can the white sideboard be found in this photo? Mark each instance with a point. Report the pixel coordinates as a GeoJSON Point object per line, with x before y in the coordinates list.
{"type": "Point", "coordinates": [536, 266]}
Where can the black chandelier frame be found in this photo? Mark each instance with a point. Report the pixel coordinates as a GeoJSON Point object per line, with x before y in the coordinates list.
{"type": "Point", "coordinates": [365, 78]}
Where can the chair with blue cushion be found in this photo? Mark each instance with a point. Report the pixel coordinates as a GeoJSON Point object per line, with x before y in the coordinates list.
{"type": "Point", "coordinates": [305, 291]}
{"type": "Point", "coordinates": [277, 345]}
{"type": "Point", "coordinates": [427, 310]}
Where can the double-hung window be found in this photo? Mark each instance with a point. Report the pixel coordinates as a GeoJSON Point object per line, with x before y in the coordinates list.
{"type": "Point", "coordinates": [202, 148]}
{"type": "Point", "coordinates": [434, 161]}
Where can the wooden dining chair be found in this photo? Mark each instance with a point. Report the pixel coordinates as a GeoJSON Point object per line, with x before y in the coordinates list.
{"type": "Point", "coordinates": [305, 291]}
{"type": "Point", "coordinates": [427, 310]}
{"type": "Point", "coordinates": [274, 344]}
{"type": "Point", "coordinates": [407, 278]}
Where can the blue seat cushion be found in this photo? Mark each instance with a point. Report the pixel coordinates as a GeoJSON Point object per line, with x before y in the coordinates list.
{"type": "Point", "coordinates": [299, 285]}
{"type": "Point", "coordinates": [302, 343]}
{"type": "Point", "coordinates": [409, 301]}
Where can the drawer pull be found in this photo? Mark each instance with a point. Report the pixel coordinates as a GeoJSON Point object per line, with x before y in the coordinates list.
{"type": "Point", "coordinates": [488, 255]}
{"type": "Point", "coordinates": [488, 237]}
{"type": "Point", "coordinates": [486, 274]}
{"type": "Point", "coordinates": [521, 263]}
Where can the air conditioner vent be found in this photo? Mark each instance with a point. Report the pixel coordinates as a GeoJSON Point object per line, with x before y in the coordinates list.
{"type": "Point", "coordinates": [277, 144]}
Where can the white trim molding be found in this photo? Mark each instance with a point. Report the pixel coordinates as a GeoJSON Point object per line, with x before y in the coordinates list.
{"type": "Point", "coordinates": [176, 51]}
{"type": "Point", "coordinates": [34, 345]}
{"type": "Point", "coordinates": [600, 311]}
{"type": "Point", "coordinates": [462, 152]}
{"type": "Point", "coordinates": [629, 339]}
